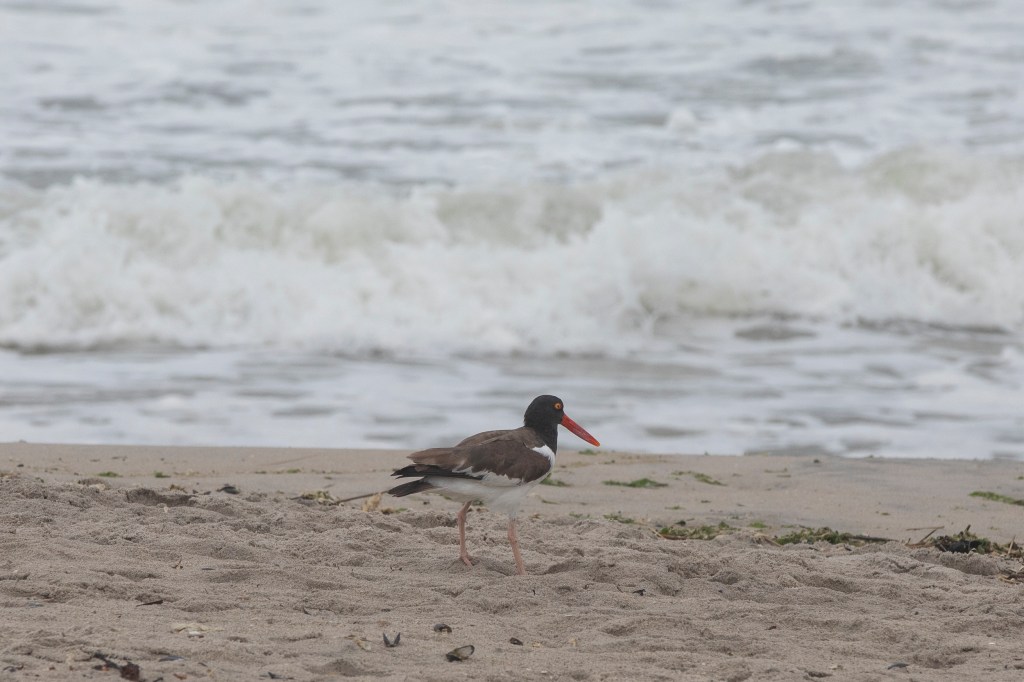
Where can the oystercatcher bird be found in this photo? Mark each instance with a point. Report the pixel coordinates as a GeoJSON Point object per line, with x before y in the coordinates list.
{"type": "Point", "coordinates": [498, 468]}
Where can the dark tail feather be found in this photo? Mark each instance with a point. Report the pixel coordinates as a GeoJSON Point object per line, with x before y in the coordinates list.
{"type": "Point", "coordinates": [410, 470]}
{"type": "Point", "coordinates": [410, 488]}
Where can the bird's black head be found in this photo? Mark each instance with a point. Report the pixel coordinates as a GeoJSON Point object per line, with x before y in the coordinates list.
{"type": "Point", "coordinates": [546, 411]}
{"type": "Point", "coordinates": [544, 415]}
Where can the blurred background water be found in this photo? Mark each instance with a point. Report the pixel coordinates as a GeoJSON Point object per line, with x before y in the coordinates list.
{"type": "Point", "coordinates": [710, 227]}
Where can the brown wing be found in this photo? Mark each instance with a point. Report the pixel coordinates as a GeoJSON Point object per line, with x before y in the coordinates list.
{"type": "Point", "coordinates": [483, 437]}
{"type": "Point", "coordinates": [510, 452]}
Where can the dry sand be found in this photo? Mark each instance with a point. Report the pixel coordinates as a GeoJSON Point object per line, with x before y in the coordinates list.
{"type": "Point", "coordinates": [190, 582]}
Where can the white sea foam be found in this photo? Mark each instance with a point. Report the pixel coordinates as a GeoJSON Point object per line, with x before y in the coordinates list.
{"type": "Point", "coordinates": [930, 235]}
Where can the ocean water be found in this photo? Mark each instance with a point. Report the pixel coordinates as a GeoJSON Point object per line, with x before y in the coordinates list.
{"type": "Point", "coordinates": [710, 227]}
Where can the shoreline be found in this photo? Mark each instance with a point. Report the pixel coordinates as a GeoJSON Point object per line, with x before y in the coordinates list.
{"type": "Point", "coordinates": [189, 579]}
{"type": "Point", "coordinates": [874, 496]}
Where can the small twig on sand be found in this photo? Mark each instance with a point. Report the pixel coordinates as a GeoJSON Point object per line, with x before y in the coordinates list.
{"type": "Point", "coordinates": [931, 530]}
{"type": "Point", "coordinates": [359, 497]}
{"type": "Point", "coordinates": [870, 538]}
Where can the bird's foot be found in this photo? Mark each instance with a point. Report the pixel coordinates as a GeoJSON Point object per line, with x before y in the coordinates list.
{"type": "Point", "coordinates": [466, 559]}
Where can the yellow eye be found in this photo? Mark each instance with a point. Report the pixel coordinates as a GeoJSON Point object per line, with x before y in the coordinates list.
{"type": "Point", "coordinates": [558, 406]}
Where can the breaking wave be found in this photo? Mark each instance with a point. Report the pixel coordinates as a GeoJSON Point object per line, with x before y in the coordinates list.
{"type": "Point", "coordinates": [935, 236]}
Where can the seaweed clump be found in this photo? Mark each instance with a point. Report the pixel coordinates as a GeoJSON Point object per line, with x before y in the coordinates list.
{"type": "Point", "coordinates": [965, 542]}
{"type": "Point", "coordinates": [683, 532]}
{"type": "Point", "coordinates": [833, 537]}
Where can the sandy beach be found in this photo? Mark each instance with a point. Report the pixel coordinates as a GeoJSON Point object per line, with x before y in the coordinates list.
{"type": "Point", "coordinates": [237, 563]}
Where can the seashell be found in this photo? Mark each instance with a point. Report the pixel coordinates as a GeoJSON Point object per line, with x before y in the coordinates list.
{"type": "Point", "coordinates": [460, 654]}
{"type": "Point", "coordinates": [441, 627]}
{"type": "Point", "coordinates": [389, 643]}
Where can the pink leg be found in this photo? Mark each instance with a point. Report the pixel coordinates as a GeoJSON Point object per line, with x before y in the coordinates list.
{"type": "Point", "coordinates": [513, 540]}
{"type": "Point", "coordinates": [461, 518]}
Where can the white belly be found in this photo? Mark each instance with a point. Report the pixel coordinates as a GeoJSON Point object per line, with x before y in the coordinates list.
{"type": "Point", "coordinates": [500, 498]}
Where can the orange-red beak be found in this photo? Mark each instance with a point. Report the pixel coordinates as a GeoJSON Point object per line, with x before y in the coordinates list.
{"type": "Point", "coordinates": [578, 430]}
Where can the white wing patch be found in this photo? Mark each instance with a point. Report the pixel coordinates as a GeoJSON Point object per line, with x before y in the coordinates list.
{"type": "Point", "coordinates": [546, 451]}
{"type": "Point", "coordinates": [489, 478]}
